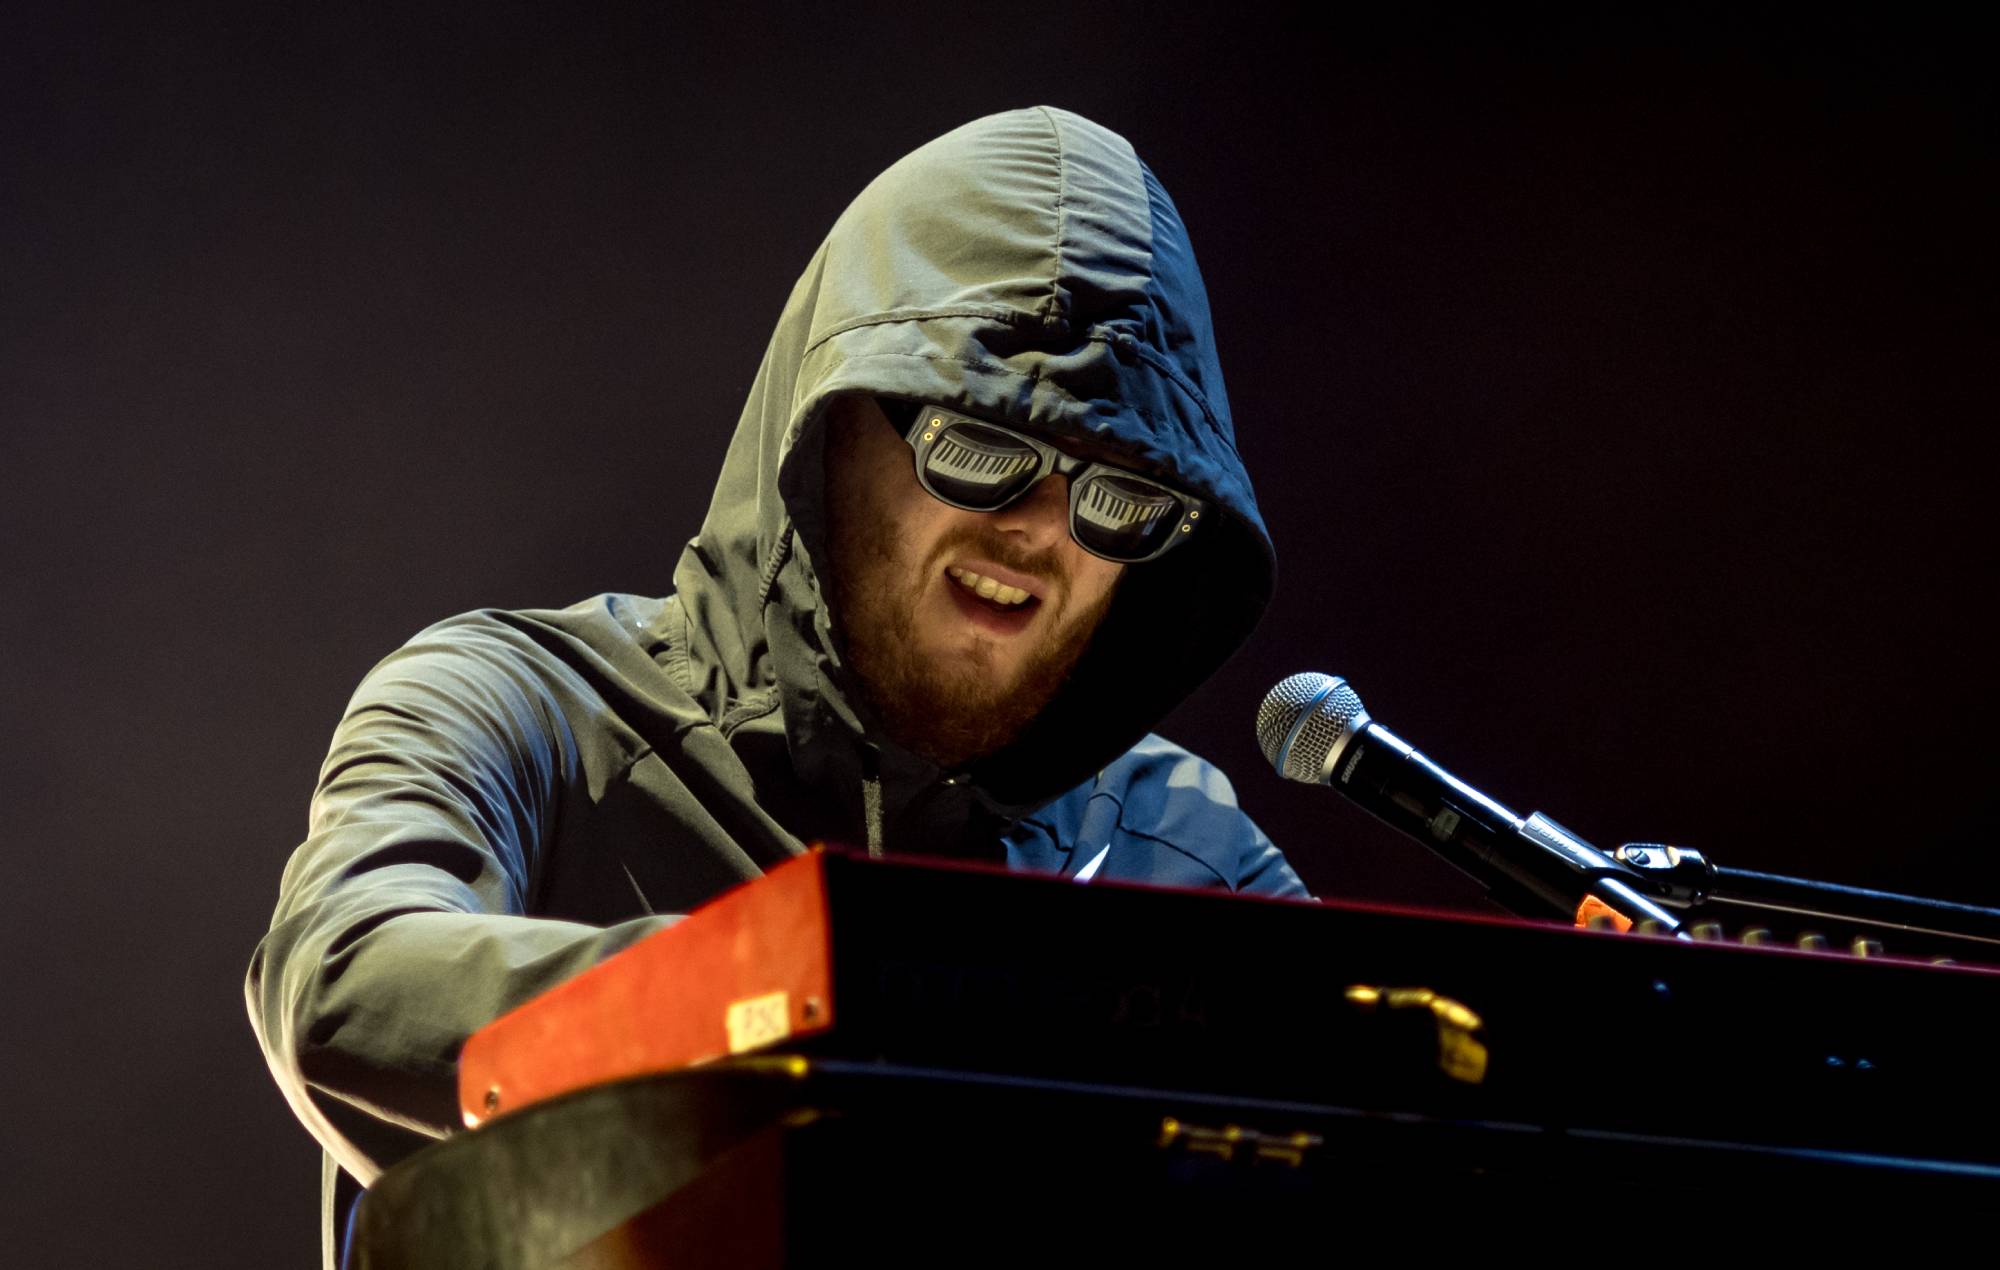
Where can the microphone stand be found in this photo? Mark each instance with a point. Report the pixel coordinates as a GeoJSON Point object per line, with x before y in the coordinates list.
{"type": "Point", "coordinates": [1658, 889]}
{"type": "Point", "coordinates": [1715, 903]}
{"type": "Point", "coordinates": [1820, 916]}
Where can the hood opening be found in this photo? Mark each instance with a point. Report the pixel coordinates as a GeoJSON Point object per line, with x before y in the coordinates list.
{"type": "Point", "coordinates": [1026, 269]}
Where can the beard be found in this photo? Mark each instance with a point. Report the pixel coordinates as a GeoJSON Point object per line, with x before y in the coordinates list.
{"type": "Point", "coordinates": [949, 711]}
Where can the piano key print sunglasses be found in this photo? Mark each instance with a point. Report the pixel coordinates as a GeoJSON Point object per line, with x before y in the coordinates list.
{"type": "Point", "coordinates": [982, 467]}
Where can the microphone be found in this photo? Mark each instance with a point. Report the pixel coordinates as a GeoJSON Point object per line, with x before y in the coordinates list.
{"type": "Point", "coordinates": [1313, 728]}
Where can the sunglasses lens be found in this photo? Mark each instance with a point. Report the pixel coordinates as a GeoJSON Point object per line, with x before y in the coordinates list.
{"type": "Point", "coordinates": [979, 467]}
{"type": "Point", "coordinates": [1125, 518]}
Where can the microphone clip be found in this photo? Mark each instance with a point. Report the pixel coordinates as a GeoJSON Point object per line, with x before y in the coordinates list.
{"type": "Point", "coordinates": [1680, 876]}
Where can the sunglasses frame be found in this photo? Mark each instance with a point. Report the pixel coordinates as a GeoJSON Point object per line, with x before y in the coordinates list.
{"type": "Point", "coordinates": [928, 423]}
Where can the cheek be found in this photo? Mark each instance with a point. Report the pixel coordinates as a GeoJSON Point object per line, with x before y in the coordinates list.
{"type": "Point", "coordinates": [1095, 580]}
{"type": "Point", "coordinates": [903, 547]}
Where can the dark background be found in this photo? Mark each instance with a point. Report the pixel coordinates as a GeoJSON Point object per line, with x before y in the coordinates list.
{"type": "Point", "coordinates": [1618, 389]}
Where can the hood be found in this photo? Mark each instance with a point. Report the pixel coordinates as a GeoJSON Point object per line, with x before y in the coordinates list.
{"type": "Point", "coordinates": [1026, 268]}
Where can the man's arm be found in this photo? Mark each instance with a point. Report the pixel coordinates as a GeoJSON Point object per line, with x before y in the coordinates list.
{"type": "Point", "coordinates": [400, 926]}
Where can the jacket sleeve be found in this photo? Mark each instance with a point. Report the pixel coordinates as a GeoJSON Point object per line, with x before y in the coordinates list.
{"type": "Point", "coordinates": [400, 926]}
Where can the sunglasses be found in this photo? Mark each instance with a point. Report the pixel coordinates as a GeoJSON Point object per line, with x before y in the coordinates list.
{"type": "Point", "coordinates": [983, 467]}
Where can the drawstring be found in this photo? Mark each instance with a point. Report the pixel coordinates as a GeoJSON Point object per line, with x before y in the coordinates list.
{"type": "Point", "coordinates": [871, 801]}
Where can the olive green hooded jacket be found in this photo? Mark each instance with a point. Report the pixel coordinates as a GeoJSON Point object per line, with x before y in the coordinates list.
{"type": "Point", "coordinates": [513, 796]}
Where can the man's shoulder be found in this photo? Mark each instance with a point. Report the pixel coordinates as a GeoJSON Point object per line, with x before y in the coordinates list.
{"type": "Point", "coordinates": [607, 631]}
{"type": "Point", "coordinates": [607, 654]}
{"type": "Point", "coordinates": [609, 623]}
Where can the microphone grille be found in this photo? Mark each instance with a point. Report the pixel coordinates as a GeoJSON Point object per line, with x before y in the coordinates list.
{"type": "Point", "coordinates": [1301, 720]}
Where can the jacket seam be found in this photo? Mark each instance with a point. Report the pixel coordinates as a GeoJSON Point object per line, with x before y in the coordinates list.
{"type": "Point", "coordinates": [752, 707]}
{"type": "Point", "coordinates": [678, 666]}
{"type": "Point", "coordinates": [1141, 833]}
{"type": "Point", "coordinates": [780, 552]}
{"type": "Point", "coordinates": [1141, 411]}
{"type": "Point", "coordinates": [990, 312]}
{"type": "Point", "coordinates": [1052, 314]}
{"type": "Point", "coordinates": [1173, 376]}
{"type": "Point", "coordinates": [1014, 317]}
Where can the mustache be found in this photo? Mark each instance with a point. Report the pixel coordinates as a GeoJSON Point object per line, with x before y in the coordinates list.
{"type": "Point", "coordinates": [1045, 565]}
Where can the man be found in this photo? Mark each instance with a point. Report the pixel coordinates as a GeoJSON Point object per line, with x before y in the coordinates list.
{"type": "Point", "coordinates": [981, 526]}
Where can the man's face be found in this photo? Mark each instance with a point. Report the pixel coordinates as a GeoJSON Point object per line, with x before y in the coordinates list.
{"type": "Point", "coordinates": [954, 676]}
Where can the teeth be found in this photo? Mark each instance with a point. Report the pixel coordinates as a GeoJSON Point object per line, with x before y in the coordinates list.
{"type": "Point", "coordinates": [987, 588]}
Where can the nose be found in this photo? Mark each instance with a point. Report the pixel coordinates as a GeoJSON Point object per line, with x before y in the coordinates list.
{"type": "Point", "coordinates": [1040, 516]}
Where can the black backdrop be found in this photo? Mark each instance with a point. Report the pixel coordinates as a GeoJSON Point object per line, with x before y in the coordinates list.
{"type": "Point", "coordinates": [1618, 392]}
